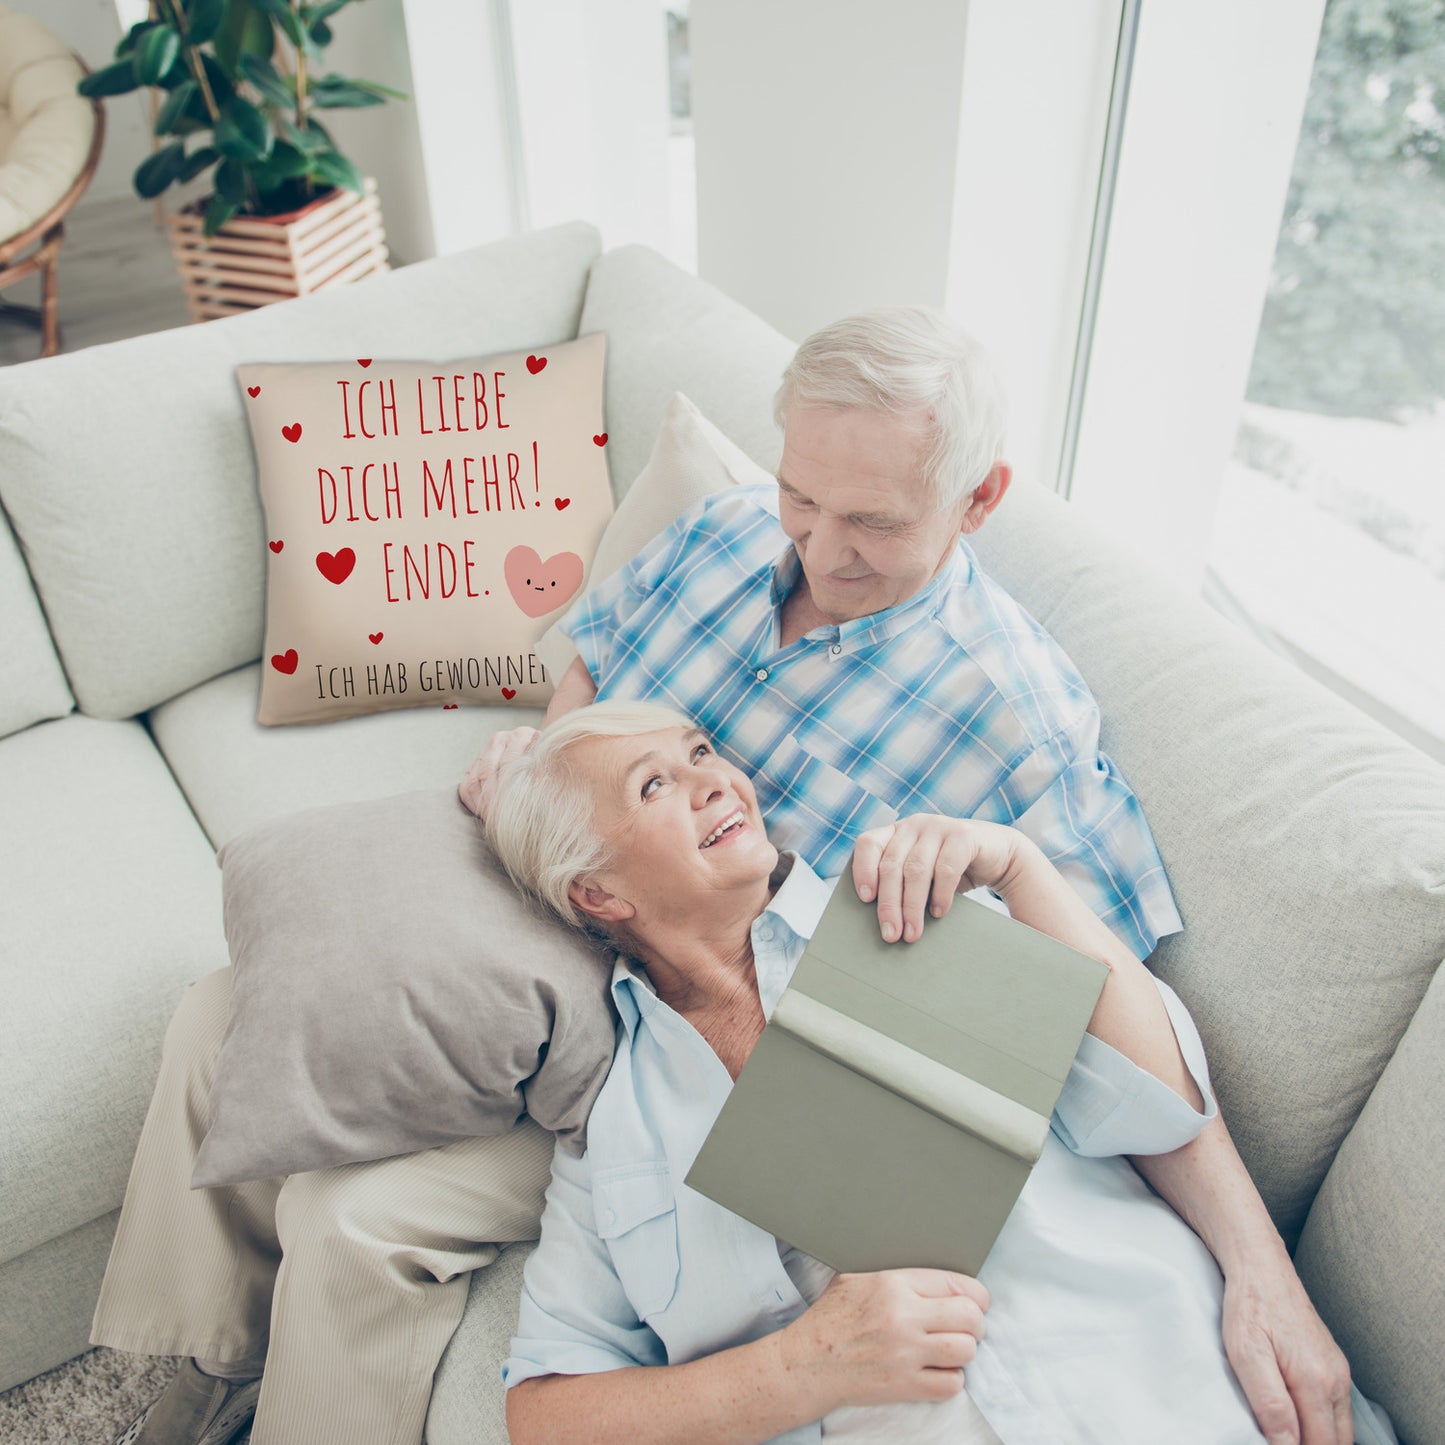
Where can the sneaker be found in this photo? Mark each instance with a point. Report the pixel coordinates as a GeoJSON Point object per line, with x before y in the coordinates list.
{"type": "Point", "coordinates": [195, 1409]}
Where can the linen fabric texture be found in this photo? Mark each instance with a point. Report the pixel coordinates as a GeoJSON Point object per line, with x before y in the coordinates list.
{"type": "Point", "coordinates": [423, 522]}
{"type": "Point", "coordinates": [393, 993]}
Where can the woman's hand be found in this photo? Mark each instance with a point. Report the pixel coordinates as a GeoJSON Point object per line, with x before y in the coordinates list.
{"type": "Point", "coordinates": [475, 788]}
{"type": "Point", "coordinates": [918, 864]}
{"type": "Point", "coordinates": [899, 1334]}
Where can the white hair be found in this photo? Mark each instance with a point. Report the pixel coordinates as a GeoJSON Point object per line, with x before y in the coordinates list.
{"type": "Point", "coordinates": [542, 820]}
{"type": "Point", "coordinates": [908, 360]}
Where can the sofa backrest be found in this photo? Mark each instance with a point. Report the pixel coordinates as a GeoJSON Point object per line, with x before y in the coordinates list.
{"type": "Point", "coordinates": [128, 474]}
{"type": "Point", "coordinates": [32, 681]}
{"type": "Point", "coordinates": [1302, 840]}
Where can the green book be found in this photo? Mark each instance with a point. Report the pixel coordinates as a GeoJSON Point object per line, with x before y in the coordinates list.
{"type": "Point", "coordinates": [900, 1094]}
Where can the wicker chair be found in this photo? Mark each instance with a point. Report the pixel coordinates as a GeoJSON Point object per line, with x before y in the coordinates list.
{"type": "Point", "coordinates": [50, 140]}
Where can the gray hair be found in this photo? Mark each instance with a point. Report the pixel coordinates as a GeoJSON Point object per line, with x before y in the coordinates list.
{"type": "Point", "coordinates": [542, 819]}
{"type": "Point", "coordinates": [908, 360]}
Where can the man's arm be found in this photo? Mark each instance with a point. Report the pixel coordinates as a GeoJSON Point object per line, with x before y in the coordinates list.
{"type": "Point", "coordinates": [475, 789]}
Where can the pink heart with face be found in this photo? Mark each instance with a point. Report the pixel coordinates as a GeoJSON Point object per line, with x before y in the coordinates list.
{"type": "Point", "coordinates": [539, 587]}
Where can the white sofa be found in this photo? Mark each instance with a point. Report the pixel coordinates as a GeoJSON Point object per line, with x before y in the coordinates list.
{"type": "Point", "coordinates": [1305, 845]}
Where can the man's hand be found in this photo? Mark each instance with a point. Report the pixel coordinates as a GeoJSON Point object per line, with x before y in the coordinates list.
{"type": "Point", "coordinates": [1295, 1377]}
{"type": "Point", "coordinates": [475, 788]}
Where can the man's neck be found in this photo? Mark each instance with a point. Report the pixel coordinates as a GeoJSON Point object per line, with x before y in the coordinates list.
{"type": "Point", "coordinates": [799, 614]}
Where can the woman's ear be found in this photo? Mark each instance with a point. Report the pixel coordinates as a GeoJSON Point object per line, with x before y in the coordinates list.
{"type": "Point", "coordinates": [596, 902]}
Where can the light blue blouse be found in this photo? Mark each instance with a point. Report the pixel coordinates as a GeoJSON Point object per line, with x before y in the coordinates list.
{"type": "Point", "coordinates": [1105, 1316]}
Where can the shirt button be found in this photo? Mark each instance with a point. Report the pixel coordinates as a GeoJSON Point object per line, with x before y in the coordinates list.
{"type": "Point", "coordinates": [761, 674]}
{"type": "Point", "coordinates": [765, 933]}
{"type": "Point", "coordinates": [836, 648]}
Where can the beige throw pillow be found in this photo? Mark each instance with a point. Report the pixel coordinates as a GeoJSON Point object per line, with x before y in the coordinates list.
{"type": "Point", "coordinates": [424, 523]}
{"type": "Point", "coordinates": [691, 459]}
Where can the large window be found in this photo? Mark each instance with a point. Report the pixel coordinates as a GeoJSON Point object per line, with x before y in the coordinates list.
{"type": "Point", "coordinates": [1330, 528]}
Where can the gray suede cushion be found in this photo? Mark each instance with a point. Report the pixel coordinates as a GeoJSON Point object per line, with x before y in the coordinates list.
{"type": "Point", "coordinates": [393, 993]}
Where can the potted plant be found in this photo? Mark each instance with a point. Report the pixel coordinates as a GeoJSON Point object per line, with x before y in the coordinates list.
{"type": "Point", "coordinates": [240, 84]}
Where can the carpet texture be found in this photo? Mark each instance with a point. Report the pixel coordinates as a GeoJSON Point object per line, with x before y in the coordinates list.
{"type": "Point", "coordinates": [88, 1401]}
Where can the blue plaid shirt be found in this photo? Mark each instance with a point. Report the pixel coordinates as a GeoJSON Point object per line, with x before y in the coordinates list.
{"type": "Point", "coordinates": [955, 702]}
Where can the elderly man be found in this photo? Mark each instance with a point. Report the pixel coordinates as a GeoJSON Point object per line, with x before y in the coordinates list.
{"type": "Point", "coordinates": [839, 641]}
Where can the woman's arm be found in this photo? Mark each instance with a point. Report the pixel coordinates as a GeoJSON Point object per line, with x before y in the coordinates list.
{"type": "Point", "coordinates": [917, 865]}
{"type": "Point", "coordinates": [903, 1334]}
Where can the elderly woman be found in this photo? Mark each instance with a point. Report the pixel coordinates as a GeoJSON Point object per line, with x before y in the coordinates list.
{"type": "Point", "coordinates": [653, 1314]}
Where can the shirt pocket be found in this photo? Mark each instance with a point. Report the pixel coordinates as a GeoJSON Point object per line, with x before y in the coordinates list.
{"type": "Point", "coordinates": [815, 808]}
{"type": "Point", "coordinates": [636, 1211]}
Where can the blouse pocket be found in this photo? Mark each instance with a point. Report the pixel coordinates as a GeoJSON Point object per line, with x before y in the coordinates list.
{"type": "Point", "coordinates": [637, 1216]}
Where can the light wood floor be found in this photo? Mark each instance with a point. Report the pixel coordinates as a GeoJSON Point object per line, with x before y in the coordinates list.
{"type": "Point", "coordinates": [117, 279]}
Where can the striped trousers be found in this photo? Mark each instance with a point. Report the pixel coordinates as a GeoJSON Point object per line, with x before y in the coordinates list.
{"type": "Point", "coordinates": [349, 1281]}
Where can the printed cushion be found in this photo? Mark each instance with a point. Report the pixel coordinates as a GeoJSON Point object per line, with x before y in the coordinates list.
{"type": "Point", "coordinates": [423, 524]}
{"type": "Point", "coordinates": [393, 992]}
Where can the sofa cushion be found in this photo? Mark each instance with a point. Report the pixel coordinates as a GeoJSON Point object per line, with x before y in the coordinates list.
{"type": "Point", "coordinates": [1302, 841]}
{"type": "Point", "coordinates": [392, 992]}
{"type": "Point", "coordinates": [1372, 1254]}
{"type": "Point", "coordinates": [150, 560]}
{"type": "Point", "coordinates": [237, 774]}
{"type": "Point", "coordinates": [110, 903]}
{"type": "Point", "coordinates": [419, 569]}
{"type": "Point", "coordinates": [32, 682]}
{"type": "Point", "coordinates": [668, 332]}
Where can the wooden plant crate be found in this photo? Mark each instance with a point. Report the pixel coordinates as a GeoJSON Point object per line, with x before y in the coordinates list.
{"type": "Point", "coordinates": [255, 260]}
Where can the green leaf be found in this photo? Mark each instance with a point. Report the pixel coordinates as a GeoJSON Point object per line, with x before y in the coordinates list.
{"type": "Point", "coordinates": [242, 132]}
{"type": "Point", "coordinates": [285, 17]}
{"type": "Point", "coordinates": [319, 33]}
{"type": "Point", "coordinates": [157, 52]}
{"type": "Point", "coordinates": [313, 140]}
{"type": "Point", "coordinates": [222, 85]}
{"type": "Point", "coordinates": [218, 212]}
{"type": "Point", "coordinates": [197, 161]}
{"type": "Point", "coordinates": [324, 11]}
{"type": "Point", "coordinates": [278, 89]}
{"type": "Point", "coordinates": [174, 109]}
{"type": "Point", "coordinates": [333, 168]}
{"type": "Point", "coordinates": [378, 89]}
{"type": "Point", "coordinates": [287, 163]}
{"type": "Point", "coordinates": [157, 171]}
{"type": "Point", "coordinates": [131, 38]}
{"type": "Point", "coordinates": [203, 19]}
{"type": "Point", "coordinates": [333, 92]}
{"type": "Point", "coordinates": [117, 79]}
{"type": "Point", "coordinates": [244, 31]}
{"type": "Point", "coordinates": [231, 182]}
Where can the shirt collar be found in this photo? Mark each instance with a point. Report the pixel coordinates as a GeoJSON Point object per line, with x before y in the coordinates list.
{"type": "Point", "coordinates": [878, 627]}
{"type": "Point", "coordinates": [780, 932]}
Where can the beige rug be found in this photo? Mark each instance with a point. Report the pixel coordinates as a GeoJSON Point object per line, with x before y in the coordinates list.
{"type": "Point", "coordinates": [86, 1402]}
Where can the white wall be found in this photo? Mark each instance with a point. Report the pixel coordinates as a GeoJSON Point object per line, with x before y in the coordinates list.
{"type": "Point", "coordinates": [827, 145]}
{"type": "Point", "coordinates": [92, 30]}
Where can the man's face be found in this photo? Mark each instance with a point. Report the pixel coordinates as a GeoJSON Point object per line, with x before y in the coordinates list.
{"type": "Point", "coordinates": [852, 499]}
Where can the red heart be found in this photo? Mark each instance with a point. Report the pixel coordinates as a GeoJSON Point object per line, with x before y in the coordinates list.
{"type": "Point", "coordinates": [285, 661]}
{"type": "Point", "coordinates": [360, 362]}
{"type": "Point", "coordinates": [539, 587]}
{"type": "Point", "coordinates": [600, 440]}
{"type": "Point", "coordinates": [536, 363]}
{"type": "Point", "coordinates": [509, 693]}
{"type": "Point", "coordinates": [275, 546]}
{"type": "Point", "coordinates": [561, 503]}
{"type": "Point", "coordinates": [448, 706]}
{"type": "Point", "coordinates": [374, 637]}
{"type": "Point", "coordinates": [292, 433]}
{"type": "Point", "coordinates": [336, 567]}
{"type": "Point", "coordinates": [253, 391]}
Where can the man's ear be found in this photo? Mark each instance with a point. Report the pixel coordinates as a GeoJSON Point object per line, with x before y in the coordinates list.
{"type": "Point", "coordinates": [595, 901]}
{"type": "Point", "coordinates": [986, 496]}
